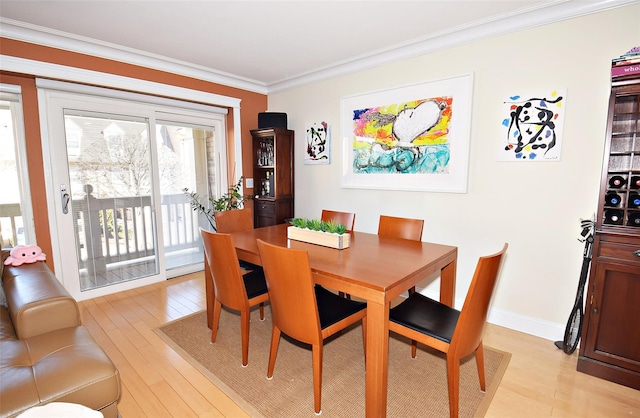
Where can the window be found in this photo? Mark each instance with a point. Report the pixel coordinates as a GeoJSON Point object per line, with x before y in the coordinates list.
{"type": "Point", "coordinates": [16, 220]}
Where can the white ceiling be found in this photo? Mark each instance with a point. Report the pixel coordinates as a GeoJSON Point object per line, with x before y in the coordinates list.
{"type": "Point", "coordinates": [272, 43]}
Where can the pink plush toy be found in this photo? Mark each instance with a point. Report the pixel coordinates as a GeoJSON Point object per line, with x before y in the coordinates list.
{"type": "Point", "coordinates": [24, 254]}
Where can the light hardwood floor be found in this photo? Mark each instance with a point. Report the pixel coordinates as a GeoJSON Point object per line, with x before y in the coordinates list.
{"type": "Point", "coordinates": [156, 382]}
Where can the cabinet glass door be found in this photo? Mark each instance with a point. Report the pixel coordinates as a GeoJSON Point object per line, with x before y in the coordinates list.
{"type": "Point", "coordinates": [621, 206]}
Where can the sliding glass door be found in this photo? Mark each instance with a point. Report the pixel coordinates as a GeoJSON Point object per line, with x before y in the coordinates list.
{"type": "Point", "coordinates": [119, 172]}
{"type": "Point", "coordinates": [110, 197]}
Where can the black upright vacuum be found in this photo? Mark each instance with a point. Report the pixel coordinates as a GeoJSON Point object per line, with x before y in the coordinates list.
{"type": "Point", "coordinates": [574, 324]}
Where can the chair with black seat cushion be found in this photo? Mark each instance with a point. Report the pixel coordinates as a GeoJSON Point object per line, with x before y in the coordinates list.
{"type": "Point", "coordinates": [455, 333]}
{"type": "Point", "coordinates": [347, 219]}
{"type": "Point", "coordinates": [236, 220]}
{"type": "Point", "coordinates": [301, 310]}
{"type": "Point", "coordinates": [404, 228]}
{"type": "Point", "coordinates": [232, 288]}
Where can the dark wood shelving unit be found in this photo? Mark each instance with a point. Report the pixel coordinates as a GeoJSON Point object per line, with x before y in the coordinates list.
{"type": "Point", "coordinates": [610, 346]}
{"type": "Point", "coordinates": [273, 172]}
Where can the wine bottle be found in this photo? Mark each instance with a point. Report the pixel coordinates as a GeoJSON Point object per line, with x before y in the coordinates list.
{"type": "Point", "coordinates": [268, 185]}
{"type": "Point", "coordinates": [617, 181]}
{"type": "Point", "coordinates": [634, 219]}
{"type": "Point", "coordinates": [612, 199]}
{"type": "Point", "coordinates": [635, 182]}
{"type": "Point", "coordinates": [634, 200]}
{"type": "Point", "coordinates": [613, 217]}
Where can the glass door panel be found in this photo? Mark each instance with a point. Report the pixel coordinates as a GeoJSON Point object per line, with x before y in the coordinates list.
{"type": "Point", "coordinates": [15, 210]}
{"type": "Point", "coordinates": [11, 222]}
{"type": "Point", "coordinates": [181, 148]}
{"type": "Point", "coordinates": [110, 197]}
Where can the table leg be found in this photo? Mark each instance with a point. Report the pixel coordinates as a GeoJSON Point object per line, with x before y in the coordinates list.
{"type": "Point", "coordinates": [377, 359]}
{"type": "Point", "coordinates": [448, 283]}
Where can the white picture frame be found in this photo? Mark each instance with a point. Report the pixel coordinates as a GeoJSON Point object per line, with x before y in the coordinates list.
{"type": "Point", "coordinates": [415, 137]}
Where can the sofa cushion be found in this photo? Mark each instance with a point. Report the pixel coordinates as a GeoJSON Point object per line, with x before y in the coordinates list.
{"type": "Point", "coordinates": [3, 256]}
{"type": "Point", "coordinates": [6, 327]}
{"type": "Point", "coordinates": [60, 366]}
{"type": "Point", "coordinates": [19, 389]}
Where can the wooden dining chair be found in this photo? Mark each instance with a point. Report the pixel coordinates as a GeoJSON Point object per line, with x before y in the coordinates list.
{"type": "Point", "coordinates": [233, 289]}
{"type": "Point", "coordinates": [301, 310]}
{"type": "Point", "coordinates": [455, 333]}
{"type": "Point", "coordinates": [236, 220]}
{"type": "Point", "coordinates": [405, 228]}
{"type": "Point", "coordinates": [228, 221]}
{"type": "Point", "coordinates": [345, 218]}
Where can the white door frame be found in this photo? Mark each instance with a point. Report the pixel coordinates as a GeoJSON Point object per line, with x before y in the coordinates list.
{"type": "Point", "coordinates": [51, 156]}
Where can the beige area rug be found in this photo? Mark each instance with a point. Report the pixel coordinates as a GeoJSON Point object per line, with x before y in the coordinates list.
{"type": "Point", "coordinates": [417, 387]}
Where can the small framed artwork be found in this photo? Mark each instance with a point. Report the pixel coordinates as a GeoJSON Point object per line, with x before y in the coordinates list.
{"type": "Point", "coordinates": [531, 126]}
{"type": "Point", "coordinates": [318, 143]}
{"type": "Point", "coordinates": [412, 137]}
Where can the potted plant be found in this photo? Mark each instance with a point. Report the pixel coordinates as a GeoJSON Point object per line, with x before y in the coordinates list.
{"type": "Point", "coordinates": [315, 231]}
{"type": "Point", "coordinates": [231, 200]}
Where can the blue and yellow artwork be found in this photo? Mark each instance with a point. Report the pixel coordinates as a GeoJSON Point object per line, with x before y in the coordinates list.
{"type": "Point", "coordinates": [403, 138]}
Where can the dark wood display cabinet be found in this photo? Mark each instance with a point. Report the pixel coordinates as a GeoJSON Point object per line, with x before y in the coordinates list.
{"type": "Point", "coordinates": [610, 346]}
{"type": "Point", "coordinates": [273, 176]}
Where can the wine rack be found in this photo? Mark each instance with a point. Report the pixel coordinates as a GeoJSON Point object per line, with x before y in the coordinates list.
{"type": "Point", "coordinates": [620, 206]}
{"type": "Point", "coordinates": [610, 346]}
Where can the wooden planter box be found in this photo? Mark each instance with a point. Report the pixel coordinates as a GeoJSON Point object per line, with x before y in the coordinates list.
{"type": "Point", "coordinates": [326, 239]}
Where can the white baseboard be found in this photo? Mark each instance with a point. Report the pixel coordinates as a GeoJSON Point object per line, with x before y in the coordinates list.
{"type": "Point", "coordinates": [544, 329]}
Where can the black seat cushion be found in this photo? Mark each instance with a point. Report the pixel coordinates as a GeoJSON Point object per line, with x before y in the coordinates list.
{"type": "Point", "coordinates": [333, 308]}
{"type": "Point", "coordinates": [255, 283]}
{"type": "Point", "coordinates": [427, 316]}
{"type": "Point", "coordinates": [249, 266]}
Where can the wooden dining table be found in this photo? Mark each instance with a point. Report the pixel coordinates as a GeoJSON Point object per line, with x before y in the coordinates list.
{"type": "Point", "coordinates": [373, 268]}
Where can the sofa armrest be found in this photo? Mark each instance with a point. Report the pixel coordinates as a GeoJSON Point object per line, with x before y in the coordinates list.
{"type": "Point", "coordinates": [37, 301]}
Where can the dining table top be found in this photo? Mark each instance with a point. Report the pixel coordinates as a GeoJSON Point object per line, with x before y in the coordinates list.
{"type": "Point", "coordinates": [371, 264]}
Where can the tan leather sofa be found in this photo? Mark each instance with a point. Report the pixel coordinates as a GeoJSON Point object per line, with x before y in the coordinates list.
{"type": "Point", "coordinates": [46, 355]}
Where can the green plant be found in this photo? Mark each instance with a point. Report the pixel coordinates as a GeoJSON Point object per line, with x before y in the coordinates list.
{"type": "Point", "coordinates": [231, 200]}
{"type": "Point", "coordinates": [299, 222]}
{"type": "Point", "coordinates": [318, 225]}
{"type": "Point", "coordinates": [314, 224]}
{"type": "Point", "coordinates": [336, 228]}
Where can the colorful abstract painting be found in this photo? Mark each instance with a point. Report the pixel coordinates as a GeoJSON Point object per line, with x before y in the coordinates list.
{"type": "Point", "coordinates": [318, 143]}
{"type": "Point", "coordinates": [532, 126]}
{"type": "Point", "coordinates": [408, 138]}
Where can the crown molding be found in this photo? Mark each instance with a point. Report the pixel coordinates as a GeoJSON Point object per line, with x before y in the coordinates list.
{"type": "Point", "coordinates": [528, 18]}
{"type": "Point", "coordinates": [20, 31]}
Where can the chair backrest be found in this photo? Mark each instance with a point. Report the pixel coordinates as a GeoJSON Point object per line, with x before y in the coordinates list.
{"type": "Point", "coordinates": [223, 263]}
{"type": "Point", "coordinates": [345, 218]}
{"type": "Point", "coordinates": [291, 292]}
{"type": "Point", "coordinates": [405, 228]}
{"type": "Point", "coordinates": [236, 220]}
{"type": "Point", "coordinates": [473, 316]}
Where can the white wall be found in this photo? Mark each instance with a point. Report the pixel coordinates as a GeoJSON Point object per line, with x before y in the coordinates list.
{"type": "Point", "coordinates": [535, 207]}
